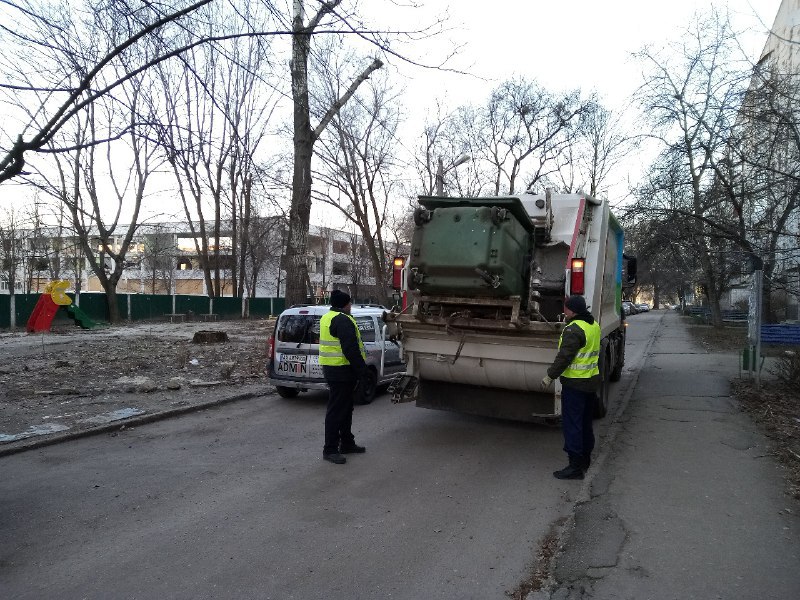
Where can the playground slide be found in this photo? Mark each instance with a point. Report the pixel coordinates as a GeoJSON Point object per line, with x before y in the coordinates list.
{"type": "Point", "coordinates": [43, 313]}
{"type": "Point", "coordinates": [80, 317]}
{"type": "Point", "coordinates": [47, 306]}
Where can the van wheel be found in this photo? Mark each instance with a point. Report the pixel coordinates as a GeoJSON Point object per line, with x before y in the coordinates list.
{"type": "Point", "coordinates": [286, 392]}
{"type": "Point", "coordinates": [601, 406]}
{"type": "Point", "coordinates": [370, 388]}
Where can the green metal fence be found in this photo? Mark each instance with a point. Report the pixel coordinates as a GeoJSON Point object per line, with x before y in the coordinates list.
{"type": "Point", "coordinates": [139, 307]}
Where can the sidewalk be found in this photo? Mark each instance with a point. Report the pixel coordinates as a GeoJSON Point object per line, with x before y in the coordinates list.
{"type": "Point", "coordinates": [686, 503]}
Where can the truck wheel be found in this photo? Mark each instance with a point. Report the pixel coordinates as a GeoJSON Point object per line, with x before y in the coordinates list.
{"type": "Point", "coordinates": [616, 374]}
{"type": "Point", "coordinates": [601, 406]}
{"type": "Point", "coordinates": [370, 389]}
{"type": "Point", "coordinates": [287, 392]}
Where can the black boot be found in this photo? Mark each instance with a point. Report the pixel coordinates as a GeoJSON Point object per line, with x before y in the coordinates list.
{"type": "Point", "coordinates": [586, 461]}
{"type": "Point", "coordinates": [352, 449]}
{"type": "Point", "coordinates": [572, 471]}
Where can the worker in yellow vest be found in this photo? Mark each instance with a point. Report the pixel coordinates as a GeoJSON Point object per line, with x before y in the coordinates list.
{"type": "Point", "coordinates": [342, 356]}
{"type": "Point", "coordinates": [577, 364]}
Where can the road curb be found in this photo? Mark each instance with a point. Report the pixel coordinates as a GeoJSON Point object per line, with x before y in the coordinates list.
{"type": "Point", "coordinates": [126, 423]}
{"type": "Point", "coordinates": [584, 495]}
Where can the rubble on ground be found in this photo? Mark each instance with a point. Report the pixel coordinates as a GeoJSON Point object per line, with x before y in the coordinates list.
{"type": "Point", "coordinates": [71, 375]}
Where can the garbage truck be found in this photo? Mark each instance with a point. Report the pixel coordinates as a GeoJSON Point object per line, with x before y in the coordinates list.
{"type": "Point", "coordinates": [483, 290]}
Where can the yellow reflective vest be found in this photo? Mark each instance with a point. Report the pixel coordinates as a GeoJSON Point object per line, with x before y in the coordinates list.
{"type": "Point", "coordinates": [330, 349]}
{"type": "Point", "coordinates": [585, 364]}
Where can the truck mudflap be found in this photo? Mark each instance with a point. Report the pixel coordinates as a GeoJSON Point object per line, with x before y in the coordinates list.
{"type": "Point", "coordinates": [403, 389]}
{"type": "Point", "coordinates": [517, 405]}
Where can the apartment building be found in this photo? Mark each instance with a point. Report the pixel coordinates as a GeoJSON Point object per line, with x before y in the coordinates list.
{"type": "Point", "coordinates": [164, 259]}
{"type": "Point", "coordinates": [774, 89]}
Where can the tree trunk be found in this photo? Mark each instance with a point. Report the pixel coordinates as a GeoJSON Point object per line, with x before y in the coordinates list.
{"type": "Point", "coordinates": [297, 288]}
{"type": "Point", "coordinates": [112, 301]}
{"type": "Point", "coordinates": [299, 217]}
{"type": "Point", "coordinates": [300, 213]}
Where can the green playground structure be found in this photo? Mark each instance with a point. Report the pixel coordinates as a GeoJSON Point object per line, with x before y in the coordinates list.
{"type": "Point", "coordinates": [81, 318]}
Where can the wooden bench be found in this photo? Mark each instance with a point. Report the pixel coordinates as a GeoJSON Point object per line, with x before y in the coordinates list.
{"type": "Point", "coordinates": [176, 318]}
{"type": "Point", "coordinates": [209, 317]}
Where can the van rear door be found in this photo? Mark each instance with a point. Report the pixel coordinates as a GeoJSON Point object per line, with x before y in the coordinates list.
{"type": "Point", "coordinates": [297, 347]}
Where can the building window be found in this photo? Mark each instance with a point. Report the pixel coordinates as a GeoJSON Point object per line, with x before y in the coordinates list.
{"type": "Point", "coordinates": [184, 264]}
{"type": "Point", "coordinates": [341, 268]}
{"type": "Point", "coordinates": [39, 264]}
{"type": "Point", "coordinates": [340, 247]}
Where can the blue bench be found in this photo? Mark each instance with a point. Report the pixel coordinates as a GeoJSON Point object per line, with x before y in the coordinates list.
{"type": "Point", "coordinates": [777, 339]}
{"type": "Point", "coordinates": [728, 316]}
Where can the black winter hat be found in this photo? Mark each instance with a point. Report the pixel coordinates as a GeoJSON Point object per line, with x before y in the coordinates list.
{"type": "Point", "coordinates": [340, 299]}
{"type": "Point", "coordinates": [576, 304]}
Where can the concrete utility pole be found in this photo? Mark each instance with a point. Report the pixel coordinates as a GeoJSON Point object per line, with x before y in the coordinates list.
{"type": "Point", "coordinates": [754, 314]}
{"type": "Point", "coordinates": [441, 171]}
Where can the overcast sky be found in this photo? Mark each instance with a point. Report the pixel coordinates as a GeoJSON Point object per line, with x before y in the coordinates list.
{"type": "Point", "coordinates": [563, 44]}
{"type": "Point", "coordinates": [566, 44]}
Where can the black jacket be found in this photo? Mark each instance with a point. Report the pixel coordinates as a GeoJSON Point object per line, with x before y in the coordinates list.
{"type": "Point", "coordinates": [342, 327]}
{"type": "Point", "coordinates": [572, 340]}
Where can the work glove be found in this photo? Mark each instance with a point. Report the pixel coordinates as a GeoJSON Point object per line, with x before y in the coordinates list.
{"type": "Point", "coordinates": [546, 382]}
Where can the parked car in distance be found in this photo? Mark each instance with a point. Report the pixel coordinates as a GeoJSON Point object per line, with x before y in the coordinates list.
{"type": "Point", "coordinates": [293, 350]}
{"type": "Point", "coordinates": [629, 308]}
{"type": "Point", "coordinates": [643, 307]}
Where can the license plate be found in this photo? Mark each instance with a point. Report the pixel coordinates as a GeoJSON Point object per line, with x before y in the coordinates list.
{"type": "Point", "coordinates": [295, 365]}
{"type": "Point", "coordinates": [295, 358]}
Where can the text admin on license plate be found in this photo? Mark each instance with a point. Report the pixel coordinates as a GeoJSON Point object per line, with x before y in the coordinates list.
{"type": "Point", "coordinates": [299, 365]}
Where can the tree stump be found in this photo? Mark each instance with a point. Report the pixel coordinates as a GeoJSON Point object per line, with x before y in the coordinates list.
{"type": "Point", "coordinates": [209, 337]}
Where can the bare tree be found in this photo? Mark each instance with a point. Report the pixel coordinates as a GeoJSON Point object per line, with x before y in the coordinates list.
{"type": "Point", "coordinates": [444, 139]}
{"type": "Point", "coordinates": [692, 106]}
{"type": "Point", "coordinates": [265, 248]}
{"type": "Point", "coordinates": [12, 254]}
{"type": "Point", "coordinates": [305, 137]}
{"type": "Point", "coordinates": [158, 253]}
{"type": "Point", "coordinates": [359, 264]}
{"type": "Point", "coordinates": [601, 143]}
{"type": "Point", "coordinates": [43, 34]}
{"type": "Point", "coordinates": [357, 161]}
{"type": "Point", "coordinates": [725, 156]}
{"type": "Point", "coordinates": [526, 126]}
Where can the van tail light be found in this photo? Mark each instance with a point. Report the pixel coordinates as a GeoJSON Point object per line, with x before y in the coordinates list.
{"type": "Point", "coordinates": [397, 272]}
{"type": "Point", "coordinates": [270, 347]}
{"type": "Point", "coordinates": [577, 281]}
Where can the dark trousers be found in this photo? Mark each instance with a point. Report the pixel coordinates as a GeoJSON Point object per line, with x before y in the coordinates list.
{"type": "Point", "coordinates": [577, 411]}
{"type": "Point", "coordinates": [339, 417]}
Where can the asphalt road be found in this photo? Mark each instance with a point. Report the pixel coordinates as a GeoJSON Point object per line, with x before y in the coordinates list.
{"type": "Point", "coordinates": [235, 502]}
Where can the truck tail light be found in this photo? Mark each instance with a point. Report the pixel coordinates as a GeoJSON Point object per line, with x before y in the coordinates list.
{"type": "Point", "coordinates": [576, 282]}
{"type": "Point", "coordinates": [270, 347]}
{"type": "Point", "coordinates": [397, 272]}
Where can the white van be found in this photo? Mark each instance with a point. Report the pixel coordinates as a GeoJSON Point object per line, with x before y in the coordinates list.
{"type": "Point", "coordinates": [293, 350]}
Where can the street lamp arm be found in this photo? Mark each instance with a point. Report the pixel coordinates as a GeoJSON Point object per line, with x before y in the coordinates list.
{"type": "Point", "coordinates": [440, 171]}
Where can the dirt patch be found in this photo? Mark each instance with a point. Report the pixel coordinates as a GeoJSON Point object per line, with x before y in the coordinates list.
{"type": "Point", "coordinates": [720, 339]}
{"type": "Point", "coordinates": [776, 408]}
{"type": "Point", "coordinates": [70, 379]}
{"type": "Point", "coordinates": [540, 570]}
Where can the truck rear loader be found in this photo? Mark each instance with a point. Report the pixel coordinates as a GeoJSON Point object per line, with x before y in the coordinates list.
{"type": "Point", "coordinates": [485, 284]}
